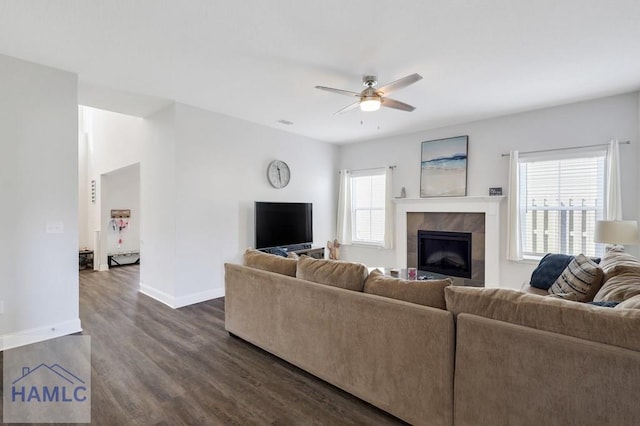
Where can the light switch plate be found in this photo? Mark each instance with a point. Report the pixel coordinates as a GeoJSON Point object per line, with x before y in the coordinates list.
{"type": "Point", "coordinates": [54, 227]}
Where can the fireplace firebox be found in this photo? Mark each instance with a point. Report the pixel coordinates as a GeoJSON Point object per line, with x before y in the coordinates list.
{"type": "Point", "coordinates": [443, 252]}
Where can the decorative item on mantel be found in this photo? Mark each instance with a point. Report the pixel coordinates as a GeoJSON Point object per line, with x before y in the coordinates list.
{"type": "Point", "coordinates": [403, 192]}
{"type": "Point", "coordinates": [443, 167]}
{"type": "Point", "coordinates": [495, 191]}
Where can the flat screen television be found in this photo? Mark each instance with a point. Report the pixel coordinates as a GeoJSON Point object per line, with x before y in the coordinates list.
{"type": "Point", "coordinates": [283, 224]}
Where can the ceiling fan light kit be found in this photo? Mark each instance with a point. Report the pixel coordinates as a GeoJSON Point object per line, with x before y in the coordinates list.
{"type": "Point", "coordinates": [371, 99]}
{"type": "Point", "coordinates": [370, 104]}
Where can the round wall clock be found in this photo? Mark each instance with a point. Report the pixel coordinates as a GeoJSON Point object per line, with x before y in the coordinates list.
{"type": "Point", "coordinates": [278, 174]}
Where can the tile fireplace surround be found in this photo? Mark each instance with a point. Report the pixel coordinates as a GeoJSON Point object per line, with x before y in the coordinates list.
{"type": "Point", "coordinates": [489, 206]}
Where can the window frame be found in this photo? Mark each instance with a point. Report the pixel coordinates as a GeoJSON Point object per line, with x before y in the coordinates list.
{"type": "Point", "coordinates": [566, 211]}
{"type": "Point", "coordinates": [369, 173]}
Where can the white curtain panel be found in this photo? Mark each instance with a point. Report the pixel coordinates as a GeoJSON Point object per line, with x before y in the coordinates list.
{"type": "Point", "coordinates": [343, 231]}
{"type": "Point", "coordinates": [514, 246]}
{"type": "Point", "coordinates": [612, 183]}
{"type": "Point", "coordinates": [388, 208]}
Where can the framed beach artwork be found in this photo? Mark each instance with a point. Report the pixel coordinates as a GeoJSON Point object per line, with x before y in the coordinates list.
{"type": "Point", "coordinates": [443, 167]}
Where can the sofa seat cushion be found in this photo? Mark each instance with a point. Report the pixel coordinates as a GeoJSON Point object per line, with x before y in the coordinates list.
{"type": "Point", "coordinates": [427, 292]}
{"type": "Point", "coordinates": [618, 327]}
{"type": "Point", "coordinates": [337, 273]}
{"type": "Point", "coordinates": [580, 280]}
{"type": "Point", "coordinates": [621, 276]}
{"type": "Point", "coordinates": [270, 262]}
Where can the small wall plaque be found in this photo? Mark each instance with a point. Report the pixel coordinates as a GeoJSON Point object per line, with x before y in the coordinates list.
{"type": "Point", "coordinates": [121, 214]}
{"type": "Point", "coordinates": [495, 191]}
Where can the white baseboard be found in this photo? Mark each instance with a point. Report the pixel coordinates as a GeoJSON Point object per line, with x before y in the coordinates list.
{"type": "Point", "coordinates": [160, 296]}
{"type": "Point", "coordinates": [203, 296]}
{"type": "Point", "coordinates": [34, 335]}
{"type": "Point", "coordinates": [179, 302]}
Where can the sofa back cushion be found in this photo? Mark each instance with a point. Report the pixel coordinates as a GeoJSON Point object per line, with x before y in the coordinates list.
{"type": "Point", "coordinates": [579, 281]}
{"type": "Point", "coordinates": [270, 262]}
{"type": "Point", "coordinates": [427, 292]}
{"type": "Point", "coordinates": [621, 276]}
{"type": "Point", "coordinates": [618, 327]}
{"type": "Point", "coordinates": [336, 273]}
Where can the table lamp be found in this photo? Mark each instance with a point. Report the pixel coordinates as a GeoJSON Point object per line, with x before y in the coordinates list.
{"type": "Point", "coordinates": [612, 232]}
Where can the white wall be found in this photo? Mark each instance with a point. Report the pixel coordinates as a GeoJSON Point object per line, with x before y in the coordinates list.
{"type": "Point", "coordinates": [38, 185]}
{"type": "Point", "coordinates": [158, 205]}
{"type": "Point", "coordinates": [201, 173]}
{"type": "Point", "coordinates": [85, 240]}
{"type": "Point", "coordinates": [584, 123]}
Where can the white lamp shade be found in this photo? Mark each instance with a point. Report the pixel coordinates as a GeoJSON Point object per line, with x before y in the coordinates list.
{"type": "Point", "coordinates": [370, 104]}
{"type": "Point", "coordinates": [616, 231]}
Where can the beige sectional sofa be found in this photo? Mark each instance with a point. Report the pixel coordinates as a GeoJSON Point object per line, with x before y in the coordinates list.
{"type": "Point", "coordinates": [520, 359]}
{"type": "Point", "coordinates": [393, 354]}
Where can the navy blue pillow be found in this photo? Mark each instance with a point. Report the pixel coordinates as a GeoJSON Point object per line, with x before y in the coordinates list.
{"type": "Point", "coordinates": [605, 304]}
{"type": "Point", "coordinates": [549, 269]}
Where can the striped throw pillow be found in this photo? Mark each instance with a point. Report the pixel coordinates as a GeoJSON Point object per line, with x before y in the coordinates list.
{"type": "Point", "coordinates": [580, 280]}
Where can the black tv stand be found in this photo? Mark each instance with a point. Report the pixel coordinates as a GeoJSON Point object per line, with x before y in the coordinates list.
{"type": "Point", "coordinates": [297, 247]}
{"type": "Point", "coordinates": [316, 253]}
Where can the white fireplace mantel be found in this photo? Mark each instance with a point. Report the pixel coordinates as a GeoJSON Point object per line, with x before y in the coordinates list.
{"type": "Point", "coordinates": [490, 206]}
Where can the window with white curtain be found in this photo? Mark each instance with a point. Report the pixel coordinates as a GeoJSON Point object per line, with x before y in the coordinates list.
{"type": "Point", "coordinates": [561, 195]}
{"type": "Point", "coordinates": [368, 206]}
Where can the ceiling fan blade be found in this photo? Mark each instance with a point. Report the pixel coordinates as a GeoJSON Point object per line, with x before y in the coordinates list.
{"type": "Point", "coordinates": [347, 108]}
{"type": "Point", "coordinates": [392, 103]}
{"type": "Point", "coordinates": [338, 91]}
{"type": "Point", "coordinates": [399, 84]}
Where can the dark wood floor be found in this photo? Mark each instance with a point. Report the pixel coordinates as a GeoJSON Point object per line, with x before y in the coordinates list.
{"type": "Point", "coordinates": [155, 365]}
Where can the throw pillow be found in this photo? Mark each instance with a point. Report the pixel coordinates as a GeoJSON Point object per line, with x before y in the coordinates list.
{"type": "Point", "coordinates": [630, 303]}
{"type": "Point", "coordinates": [620, 287]}
{"type": "Point", "coordinates": [549, 269]}
{"type": "Point", "coordinates": [336, 273]}
{"type": "Point", "coordinates": [581, 279]}
{"type": "Point", "coordinates": [604, 304]}
{"type": "Point", "coordinates": [427, 292]}
{"type": "Point", "coordinates": [615, 261]}
{"type": "Point", "coordinates": [270, 262]}
{"type": "Point", "coordinates": [621, 276]}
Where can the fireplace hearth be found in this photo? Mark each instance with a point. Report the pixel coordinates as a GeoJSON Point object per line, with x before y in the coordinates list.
{"type": "Point", "coordinates": [445, 252]}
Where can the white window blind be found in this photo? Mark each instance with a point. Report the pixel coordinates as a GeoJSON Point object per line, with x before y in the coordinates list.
{"type": "Point", "coordinates": [561, 197]}
{"type": "Point", "coordinates": [368, 206]}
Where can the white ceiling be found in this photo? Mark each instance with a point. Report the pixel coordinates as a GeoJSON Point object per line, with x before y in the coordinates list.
{"type": "Point", "coordinates": [260, 60]}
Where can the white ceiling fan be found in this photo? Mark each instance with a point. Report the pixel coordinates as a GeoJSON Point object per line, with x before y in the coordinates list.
{"type": "Point", "coordinates": [372, 98]}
